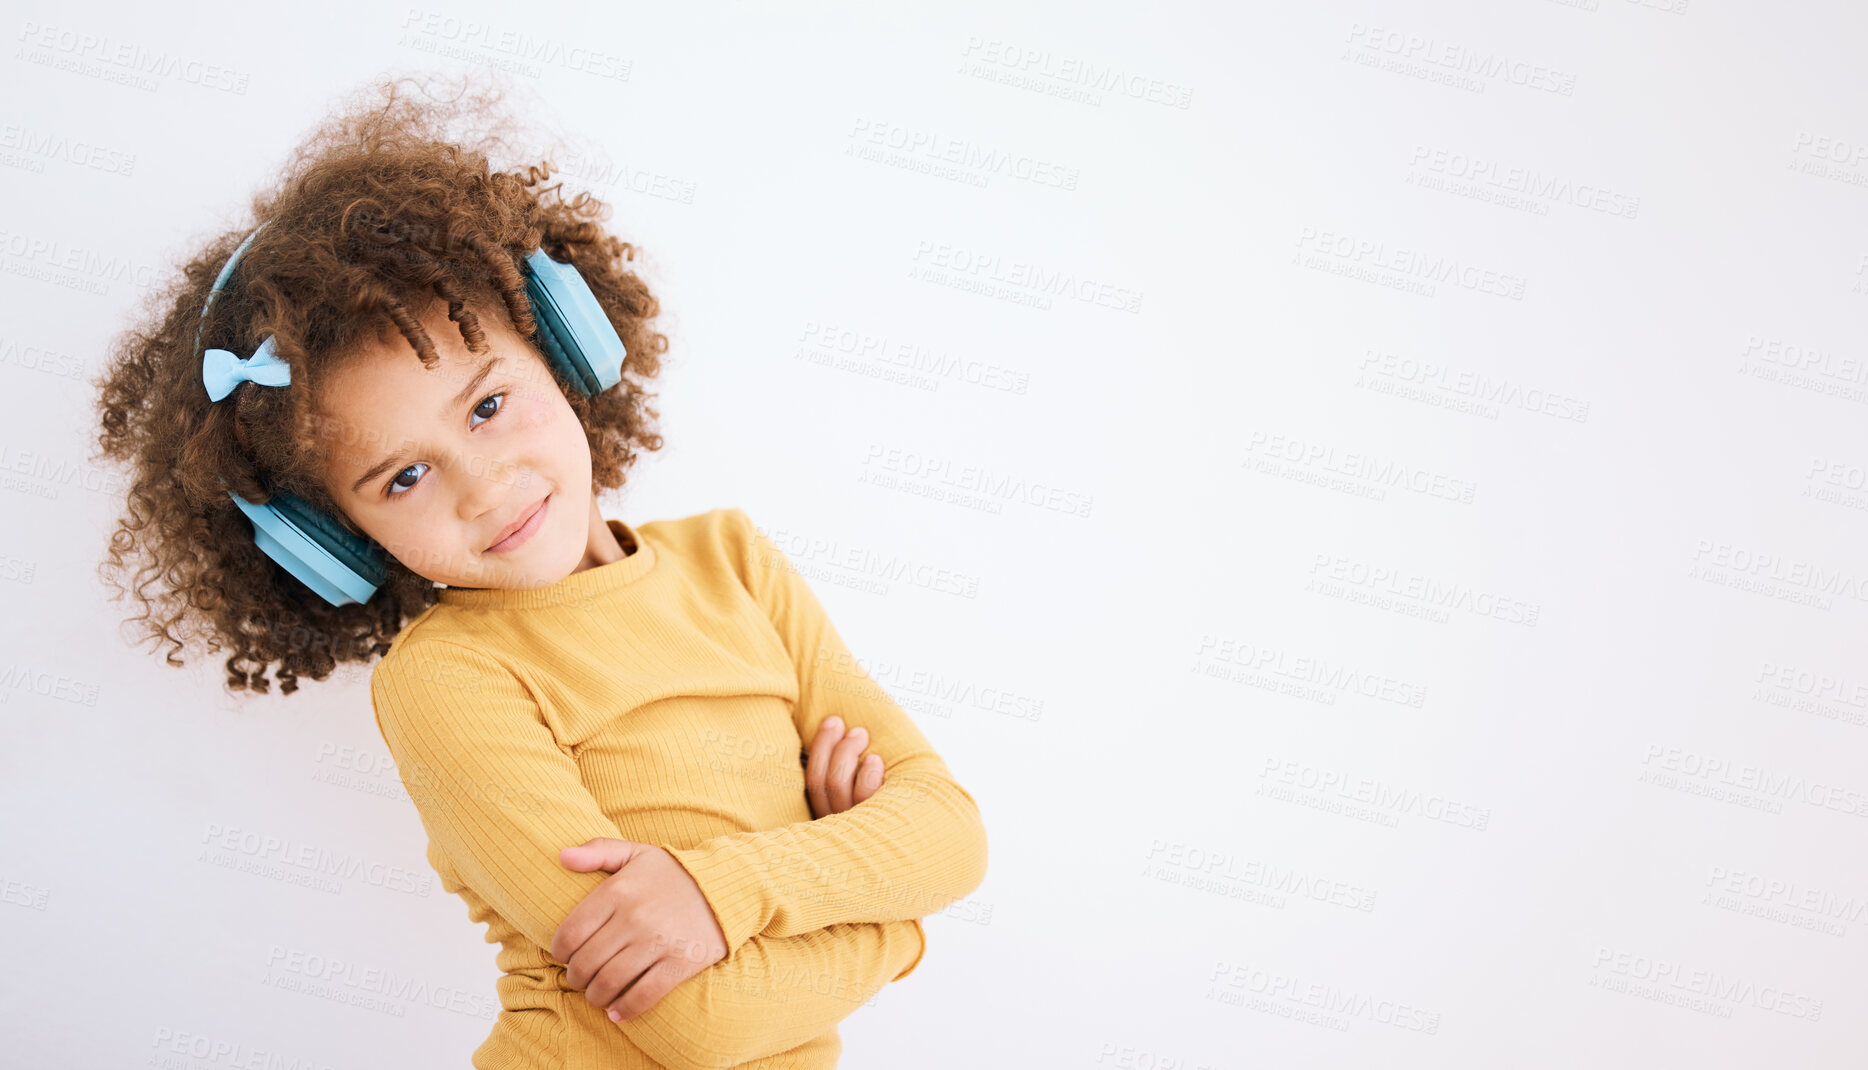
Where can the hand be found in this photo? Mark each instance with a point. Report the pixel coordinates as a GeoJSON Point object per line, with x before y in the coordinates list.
{"type": "Point", "coordinates": [834, 780]}
{"type": "Point", "coordinates": [638, 934]}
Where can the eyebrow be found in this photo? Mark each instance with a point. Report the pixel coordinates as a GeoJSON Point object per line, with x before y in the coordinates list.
{"type": "Point", "coordinates": [458, 400]}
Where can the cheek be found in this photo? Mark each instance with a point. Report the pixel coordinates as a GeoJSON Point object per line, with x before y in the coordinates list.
{"type": "Point", "coordinates": [559, 421]}
{"type": "Point", "coordinates": [550, 416]}
{"type": "Point", "coordinates": [534, 413]}
{"type": "Point", "coordinates": [553, 438]}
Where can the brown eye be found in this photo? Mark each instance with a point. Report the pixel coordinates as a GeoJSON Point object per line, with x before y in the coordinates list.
{"type": "Point", "coordinates": [392, 491]}
{"type": "Point", "coordinates": [483, 404]}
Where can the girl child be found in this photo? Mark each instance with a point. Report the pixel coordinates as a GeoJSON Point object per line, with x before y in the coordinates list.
{"type": "Point", "coordinates": [599, 722]}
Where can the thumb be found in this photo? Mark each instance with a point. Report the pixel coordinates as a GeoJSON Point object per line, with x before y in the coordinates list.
{"type": "Point", "coordinates": [602, 853]}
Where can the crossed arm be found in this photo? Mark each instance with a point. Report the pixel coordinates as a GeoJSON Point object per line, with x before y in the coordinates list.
{"type": "Point", "coordinates": [914, 847]}
{"type": "Point", "coordinates": [464, 763]}
{"type": "Point", "coordinates": [817, 915]}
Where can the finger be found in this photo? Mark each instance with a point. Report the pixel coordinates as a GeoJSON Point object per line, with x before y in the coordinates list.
{"type": "Point", "coordinates": [657, 981]}
{"type": "Point", "coordinates": [615, 976]}
{"type": "Point", "coordinates": [585, 919]}
{"type": "Point", "coordinates": [588, 959]}
{"type": "Point", "coordinates": [842, 775]}
{"type": "Point", "coordinates": [868, 777]}
{"type": "Point", "coordinates": [840, 784]}
{"type": "Point", "coordinates": [604, 852]}
{"type": "Point", "coordinates": [857, 787]}
{"type": "Point", "coordinates": [827, 736]}
{"type": "Point", "coordinates": [817, 760]}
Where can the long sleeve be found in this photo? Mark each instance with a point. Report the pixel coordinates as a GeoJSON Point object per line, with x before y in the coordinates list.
{"type": "Point", "coordinates": [499, 798]}
{"type": "Point", "coordinates": [774, 993]}
{"type": "Point", "coordinates": [915, 846]}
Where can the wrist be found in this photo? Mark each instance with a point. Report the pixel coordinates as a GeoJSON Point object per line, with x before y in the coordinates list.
{"type": "Point", "coordinates": [730, 889]}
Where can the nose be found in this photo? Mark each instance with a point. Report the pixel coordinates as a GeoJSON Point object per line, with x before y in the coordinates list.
{"type": "Point", "coordinates": [487, 483]}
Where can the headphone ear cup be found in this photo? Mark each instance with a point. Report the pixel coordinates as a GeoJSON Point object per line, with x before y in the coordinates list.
{"type": "Point", "coordinates": [573, 332]}
{"type": "Point", "coordinates": [553, 348]}
{"type": "Point", "coordinates": [340, 567]}
{"type": "Point", "coordinates": [356, 552]}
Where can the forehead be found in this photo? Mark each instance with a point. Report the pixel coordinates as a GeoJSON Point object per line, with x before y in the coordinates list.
{"type": "Point", "coordinates": [387, 363]}
{"type": "Point", "coordinates": [380, 390]}
{"type": "Point", "coordinates": [388, 358]}
{"type": "Point", "coordinates": [395, 376]}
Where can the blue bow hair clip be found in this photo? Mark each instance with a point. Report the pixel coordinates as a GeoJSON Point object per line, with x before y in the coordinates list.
{"type": "Point", "coordinates": [221, 370]}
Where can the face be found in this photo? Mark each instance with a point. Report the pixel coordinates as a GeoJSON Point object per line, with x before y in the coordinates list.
{"type": "Point", "coordinates": [443, 468]}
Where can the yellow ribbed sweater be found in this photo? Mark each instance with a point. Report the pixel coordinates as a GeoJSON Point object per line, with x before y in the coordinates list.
{"type": "Point", "coordinates": [665, 698]}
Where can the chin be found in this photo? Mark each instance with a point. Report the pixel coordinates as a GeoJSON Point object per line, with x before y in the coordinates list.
{"type": "Point", "coordinates": [564, 562]}
{"type": "Point", "coordinates": [534, 565]}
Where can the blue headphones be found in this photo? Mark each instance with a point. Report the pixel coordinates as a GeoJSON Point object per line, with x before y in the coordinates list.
{"type": "Point", "coordinates": [574, 335]}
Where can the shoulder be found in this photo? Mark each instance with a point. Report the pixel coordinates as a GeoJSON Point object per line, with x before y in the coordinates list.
{"type": "Point", "coordinates": [712, 526]}
{"type": "Point", "coordinates": [430, 693]}
{"type": "Point", "coordinates": [427, 624]}
{"type": "Point", "coordinates": [425, 670]}
{"type": "Point", "coordinates": [722, 537]}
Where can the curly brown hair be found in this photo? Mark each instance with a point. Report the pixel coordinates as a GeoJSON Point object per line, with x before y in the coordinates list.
{"type": "Point", "coordinates": [382, 211]}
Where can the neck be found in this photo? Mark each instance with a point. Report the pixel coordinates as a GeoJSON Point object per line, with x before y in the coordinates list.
{"type": "Point", "coordinates": [602, 548]}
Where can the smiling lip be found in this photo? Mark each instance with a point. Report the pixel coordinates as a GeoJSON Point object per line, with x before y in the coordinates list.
{"type": "Point", "coordinates": [516, 537]}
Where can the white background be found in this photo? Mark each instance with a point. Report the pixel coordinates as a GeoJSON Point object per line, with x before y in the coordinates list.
{"type": "Point", "coordinates": [1439, 591]}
